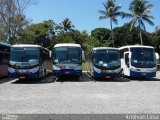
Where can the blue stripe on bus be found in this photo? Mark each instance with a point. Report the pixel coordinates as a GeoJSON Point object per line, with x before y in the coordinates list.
{"type": "Point", "coordinates": [142, 74]}
{"type": "Point", "coordinates": [12, 75]}
{"type": "Point", "coordinates": [28, 75]}
{"type": "Point", "coordinates": [67, 72]}
{"type": "Point", "coordinates": [103, 75]}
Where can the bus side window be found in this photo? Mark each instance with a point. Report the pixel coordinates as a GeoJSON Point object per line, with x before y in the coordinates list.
{"type": "Point", "coordinates": [127, 59]}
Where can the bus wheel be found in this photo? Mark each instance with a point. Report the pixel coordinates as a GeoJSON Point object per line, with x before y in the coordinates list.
{"type": "Point", "coordinates": [122, 74]}
{"type": "Point", "coordinates": [78, 77]}
{"type": "Point", "coordinates": [45, 72]}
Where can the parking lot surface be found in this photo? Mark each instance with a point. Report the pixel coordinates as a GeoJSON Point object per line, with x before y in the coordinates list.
{"type": "Point", "coordinates": [80, 96]}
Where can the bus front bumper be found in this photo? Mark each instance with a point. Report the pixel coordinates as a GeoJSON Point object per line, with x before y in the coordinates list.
{"type": "Point", "coordinates": [67, 72]}
{"type": "Point", "coordinates": [27, 75]}
{"type": "Point", "coordinates": [142, 74]}
{"type": "Point", "coordinates": [106, 75]}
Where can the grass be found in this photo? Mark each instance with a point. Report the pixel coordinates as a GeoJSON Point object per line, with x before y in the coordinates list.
{"type": "Point", "coordinates": [83, 66]}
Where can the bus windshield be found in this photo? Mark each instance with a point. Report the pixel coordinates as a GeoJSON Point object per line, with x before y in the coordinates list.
{"type": "Point", "coordinates": [67, 55]}
{"type": "Point", "coordinates": [107, 58]}
{"type": "Point", "coordinates": [24, 57]}
{"type": "Point", "coordinates": [143, 57]}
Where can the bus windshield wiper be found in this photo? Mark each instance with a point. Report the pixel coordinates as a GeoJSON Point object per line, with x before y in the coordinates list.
{"type": "Point", "coordinates": [72, 60]}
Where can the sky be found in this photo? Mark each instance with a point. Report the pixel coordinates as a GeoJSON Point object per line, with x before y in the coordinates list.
{"type": "Point", "coordinates": [83, 13]}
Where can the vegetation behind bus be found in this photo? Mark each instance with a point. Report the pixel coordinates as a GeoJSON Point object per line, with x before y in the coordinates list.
{"type": "Point", "coordinates": [83, 66]}
{"type": "Point", "coordinates": [99, 37]}
{"type": "Point", "coordinates": [48, 33]}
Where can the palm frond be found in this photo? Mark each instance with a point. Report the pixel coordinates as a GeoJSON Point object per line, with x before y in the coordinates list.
{"type": "Point", "coordinates": [114, 20]}
{"type": "Point", "coordinates": [149, 6]}
{"type": "Point", "coordinates": [117, 8]}
{"type": "Point", "coordinates": [127, 15]}
{"type": "Point", "coordinates": [102, 12]}
{"type": "Point", "coordinates": [102, 17]}
{"type": "Point", "coordinates": [140, 10]}
{"type": "Point", "coordinates": [148, 21]}
{"type": "Point", "coordinates": [146, 11]}
{"type": "Point", "coordinates": [148, 17]}
{"type": "Point", "coordinates": [122, 14]}
{"type": "Point", "coordinates": [105, 6]}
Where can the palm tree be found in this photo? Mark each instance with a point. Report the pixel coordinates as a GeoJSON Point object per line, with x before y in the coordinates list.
{"type": "Point", "coordinates": [66, 25]}
{"type": "Point", "coordinates": [111, 11]}
{"type": "Point", "coordinates": [140, 10]}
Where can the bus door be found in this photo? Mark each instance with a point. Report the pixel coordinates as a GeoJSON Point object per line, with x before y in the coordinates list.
{"type": "Point", "coordinates": [126, 63]}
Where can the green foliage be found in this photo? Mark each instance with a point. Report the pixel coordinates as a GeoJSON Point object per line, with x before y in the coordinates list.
{"type": "Point", "coordinates": [71, 37]}
{"type": "Point", "coordinates": [102, 34]}
{"type": "Point", "coordinates": [62, 38]}
{"type": "Point", "coordinates": [41, 34]}
{"type": "Point", "coordinates": [83, 66]}
{"type": "Point", "coordinates": [65, 26]}
{"type": "Point", "coordinates": [45, 33]}
{"type": "Point", "coordinates": [111, 11]}
{"type": "Point", "coordinates": [48, 33]}
{"type": "Point", "coordinates": [123, 36]}
{"type": "Point", "coordinates": [12, 18]}
{"type": "Point", "coordinates": [140, 10]}
{"type": "Point", "coordinates": [93, 42]}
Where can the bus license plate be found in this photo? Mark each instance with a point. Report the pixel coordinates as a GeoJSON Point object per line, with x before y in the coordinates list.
{"type": "Point", "coordinates": [108, 76]}
{"type": "Point", "coordinates": [144, 73]}
{"type": "Point", "coordinates": [67, 72]}
{"type": "Point", "coordinates": [22, 77]}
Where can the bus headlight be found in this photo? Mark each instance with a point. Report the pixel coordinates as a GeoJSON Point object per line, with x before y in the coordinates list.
{"type": "Point", "coordinates": [78, 67]}
{"type": "Point", "coordinates": [119, 70]}
{"type": "Point", "coordinates": [56, 67]}
{"type": "Point", "coordinates": [34, 70]}
{"type": "Point", "coordinates": [97, 70]}
{"type": "Point", "coordinates": [11, 70]}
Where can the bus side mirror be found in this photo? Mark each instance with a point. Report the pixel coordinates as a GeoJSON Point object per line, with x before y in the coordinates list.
{"type": "Point", "coordinates": [83, 56]}
{"type": "Point", "coordinates": [129, 56]}
{"type": "Point", "coordinates": [157, 56]}
{"type": "Point", "coordinates": [50, 54]}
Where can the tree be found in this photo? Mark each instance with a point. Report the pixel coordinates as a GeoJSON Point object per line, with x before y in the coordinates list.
{"type": "Point", "coordinates": [123, 36]}
{"type": "Point", "coordinates": [101, 34]}
{"type": "Point", "coordinates": [157, 30]}
{"type": "Point", "coordinates": [112, 12]}
{"type": "Point", "coordinates": [66, 25]}
{"type": "Point", "coordinates": [40, 33]}
{"type": "Point", "coordinates": [12, 18]}
{"type": "Point", "coordinates": [140, 10]}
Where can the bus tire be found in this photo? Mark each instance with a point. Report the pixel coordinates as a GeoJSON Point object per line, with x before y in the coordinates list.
{"type": "Point", "coordinates": [44, 73]}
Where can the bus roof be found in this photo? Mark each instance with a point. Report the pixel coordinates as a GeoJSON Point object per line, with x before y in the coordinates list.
{"type": "Point", "coordinates": [104, 48]}
{"type": "Point", "coordinates": [67, 45]}
{"type": "Point", "coordinates": [138, 46]}
{"type": "Point", "coordinates": [5, 44]}
{"type": "Point", "coordinates": [29, 45]}
{"type": "Point", "coordinates": [26, 45]}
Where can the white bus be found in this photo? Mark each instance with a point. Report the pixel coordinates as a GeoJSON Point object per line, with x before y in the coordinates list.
{"type": "Point", "coordinates": [4, 58]}
{"type": "Point", "coordinates": [67, 59]}
{"type": "Point", "coordinates": [29, 61]}
{"type": "Point", "coordinates": [103, 62]}
{"type": "Point", "coordinates": [138, 61]}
